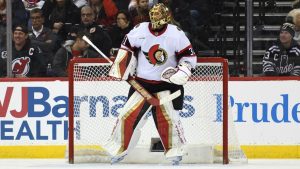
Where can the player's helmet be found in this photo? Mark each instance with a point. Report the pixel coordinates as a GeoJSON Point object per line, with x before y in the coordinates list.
{"type": "Point", "coordinates": [159, 15]}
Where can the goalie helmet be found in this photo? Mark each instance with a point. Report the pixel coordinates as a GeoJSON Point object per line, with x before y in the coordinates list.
{"type": "Point", "coordinates": [159, 16]}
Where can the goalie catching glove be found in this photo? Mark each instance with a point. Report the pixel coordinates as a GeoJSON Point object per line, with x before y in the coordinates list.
{"type": "Point", "coordinates": [179, 75]}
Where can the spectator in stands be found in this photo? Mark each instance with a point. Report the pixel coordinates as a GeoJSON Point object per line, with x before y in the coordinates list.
{"type": "Point", "coordinates": [119, 30]}
{"type": "Point", "coordinates": [296, 4]}
{"type": "Point", "coordinates": [140, 13]}
{"type": "Point", "coordinates": [20, 15]}
{"type": "Point", "coordinates": [2, 38]}
{"type": "Point", "coordinates": [294, 18]}
{"type": "Point", "coordinates": [77, 48]}
{"type": "Point", "coordinates": [47, 10]}
{"type": "Point", "coordinates": [27, 58]}
{"type": "Point", "coordinates": [31, 4]}
{"type": "Point", "coordinates": [133, 4]}
{"type": "Point", "coordinates": [63, 16]}
{"type": "Point", "coordinates": [122, 4]}
{"type": "Point", "coordinates": [2, 67]}
{"type": "Point", "coordinates": [283, 58]}
{"type": "Point", "coordinates": [2, 24]}
{"type": "Point", "coordinates": [42, 36]}
{"type": "Point", "coordinates": [80, 3]}
{"type": "Point", "coordinates": [2, 5]}
{"type": "Point", "coordinates": [105, 10]}
{"type": "Point", "coordinates": [98, 36]}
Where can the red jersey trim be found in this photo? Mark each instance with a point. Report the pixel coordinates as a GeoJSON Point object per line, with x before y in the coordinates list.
{"type": "Point", "coordinates": [185, 53]}
{"type": "Point", "coordinates": [155, 33]}
{"type": "Point", "coordinates": [183, 50]}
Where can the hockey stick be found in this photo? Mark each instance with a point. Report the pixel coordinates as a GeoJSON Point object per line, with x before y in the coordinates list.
{"type": "Point", "coordinates": [96, 48]}
{"type": "Point", "coordinates": [139, 88]}
{"type": "Point", "coordinates": [151, 99]}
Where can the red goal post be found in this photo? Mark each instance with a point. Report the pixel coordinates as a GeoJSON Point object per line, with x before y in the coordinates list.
{"type": "Point", "coordinates": [206, 112]}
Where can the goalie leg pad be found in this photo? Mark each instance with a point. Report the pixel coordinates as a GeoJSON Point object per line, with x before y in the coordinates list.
{"type": "Point", "coordinates": [131, 117]}
{"type": "Point", "coordinates": [134, 138]}
{"type": "Point", "coordinates": [124, 65]}
{"type": "Point", "coordinates": [169, 128]}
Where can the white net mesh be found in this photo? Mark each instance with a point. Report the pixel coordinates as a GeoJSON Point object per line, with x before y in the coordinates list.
{"type": "Point", "coordinates": [98, 100]}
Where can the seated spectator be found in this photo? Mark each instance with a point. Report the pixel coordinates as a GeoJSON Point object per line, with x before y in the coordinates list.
{"type": "Point", "coordinates": [283, 58]}
{"type": "Point", "coordinates": [2, 38]}
{"type": "Point", "coordinates": [20, 15]}
{"type": "Point", "coordinates": [140, 13]}
{"type": "Point", "coordinates": [32, 4]}
{"type": "Point", "coordinates": [133, 4]}
{"type": "Point", "coordinates": [63, 16]}
{"type": "Point", "coordinates": [2, 24]}
{"type": "Point", "coordinates": [2, 67]}
{"type": "Point", "coordinates": [294, 18]}
{"type": "Point", "coordinates": [118, 31]}
{"type": "Point", "coordinates": [27, 58]}
{"type": "Point", "coordinates": [3, 55]}
{"type": "Point", "coordinates": [80, 3]}
{"type": "Point", "coordinates": [122, 5]}
{"type": "Point", "coordinates": [2, 5]}
{"type": "Point", "coordinates": [42, 36]}
{"type": "Point", "coordinates": [98, 36]}
{"type": "Point", "coordinates": [296, 4]}
{"type": "Point", "coordinates": [105, 10]}
{"type": "Point", "coordinates": [72, 49]}
{"type": "Point", "coordinates": [47, 10]}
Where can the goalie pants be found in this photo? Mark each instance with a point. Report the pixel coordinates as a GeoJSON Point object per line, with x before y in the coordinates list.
{"type": "Point", "coordinates": [166, 118]}
{"type": "Point", "coordinates": [158, 86]}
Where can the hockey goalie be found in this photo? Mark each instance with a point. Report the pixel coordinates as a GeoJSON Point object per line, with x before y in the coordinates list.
{"type": "Point", "coordinates": [163, 59]}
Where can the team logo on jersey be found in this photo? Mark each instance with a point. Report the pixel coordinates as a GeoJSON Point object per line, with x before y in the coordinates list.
{"type": "Point", "coordinates": [4, 54]}
{"type": "Point", "coordinates": [93, 29]}
{"type": "Point", "coordinates": [20, 66]}
{"type": "Point", "coordinates": [156, 55]}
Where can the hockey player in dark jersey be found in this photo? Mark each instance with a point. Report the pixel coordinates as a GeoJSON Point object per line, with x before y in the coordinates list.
{"type": "Point", "coordinates": [283, 58]}
{"type": "Point", "coordinates": [165, 59]}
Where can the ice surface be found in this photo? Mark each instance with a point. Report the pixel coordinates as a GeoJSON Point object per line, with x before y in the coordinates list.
{"type": "Point", "coordinates": [62, 164]}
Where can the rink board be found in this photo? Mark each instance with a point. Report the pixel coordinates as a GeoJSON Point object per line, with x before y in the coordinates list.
{"type": "Point", "coordinates": [255, 123]}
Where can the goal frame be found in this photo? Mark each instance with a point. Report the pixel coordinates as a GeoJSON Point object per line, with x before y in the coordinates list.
{"type": "Point", "coordinates": [225, 72]}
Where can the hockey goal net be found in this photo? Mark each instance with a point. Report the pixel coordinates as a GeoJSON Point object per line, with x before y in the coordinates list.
{"type": "Point", "coordinates": [95, 101]}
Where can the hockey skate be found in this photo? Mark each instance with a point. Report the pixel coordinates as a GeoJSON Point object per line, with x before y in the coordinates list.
{"type": "Point", "coordinates": [118, 158]}
{"type": "Point", "coordinates": [176, 160]}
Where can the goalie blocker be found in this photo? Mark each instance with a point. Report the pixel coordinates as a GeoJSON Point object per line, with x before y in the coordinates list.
{"type": "Point", "coordinates": [124, 65]}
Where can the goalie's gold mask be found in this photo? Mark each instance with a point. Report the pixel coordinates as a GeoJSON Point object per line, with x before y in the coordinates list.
{"type": "Point", "coordinates": [159, 16]}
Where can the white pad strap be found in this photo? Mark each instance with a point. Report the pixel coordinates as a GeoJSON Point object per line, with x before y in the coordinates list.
{"type": "Point", "coordinates": [170, 97]}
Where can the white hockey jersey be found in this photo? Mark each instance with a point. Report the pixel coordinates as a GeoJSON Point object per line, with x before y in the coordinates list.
{"type": "Point", "coordinates": [158, 50]}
